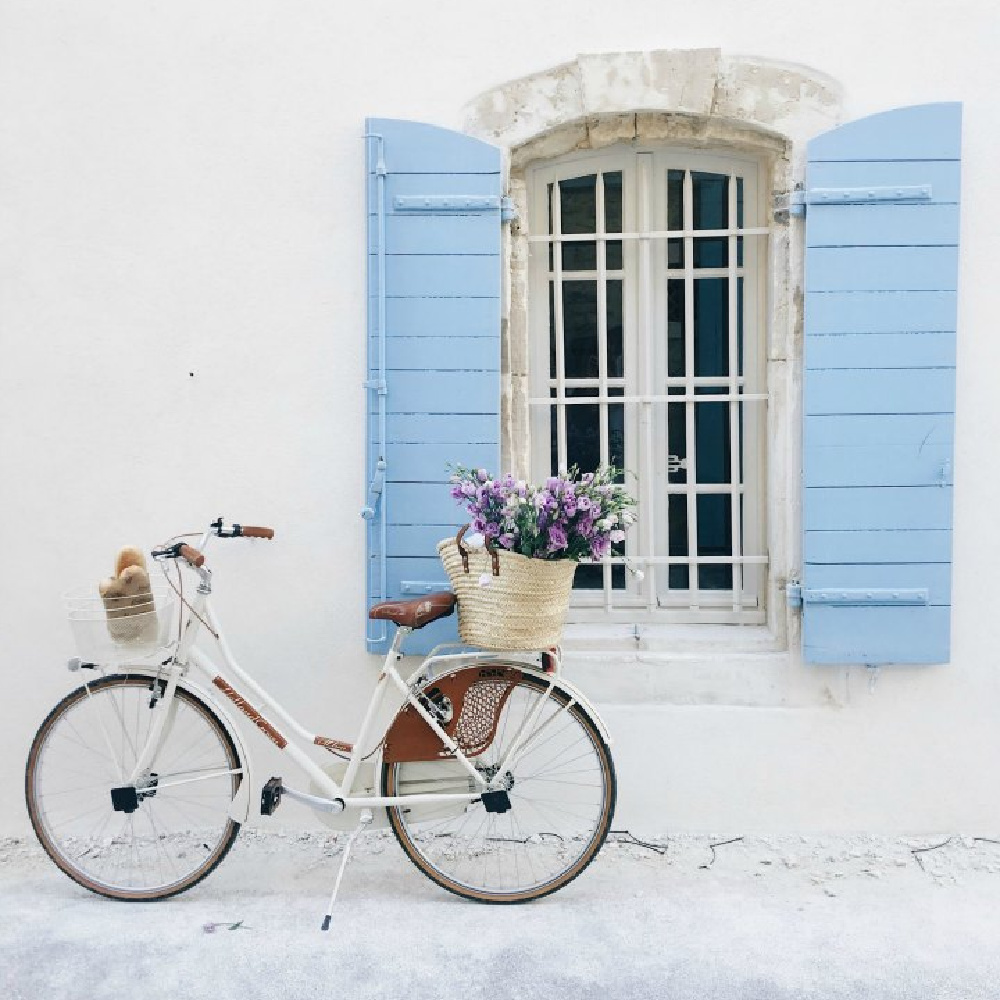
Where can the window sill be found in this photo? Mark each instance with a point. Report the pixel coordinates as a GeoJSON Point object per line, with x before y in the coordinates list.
{"type": "Point", "coordinates": [581, 639]}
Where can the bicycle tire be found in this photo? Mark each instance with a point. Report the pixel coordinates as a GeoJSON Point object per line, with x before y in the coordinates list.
{"type": "Point", "coordinates": [92, 756]}
{"type": "Point", "coordinates": [444, 861]}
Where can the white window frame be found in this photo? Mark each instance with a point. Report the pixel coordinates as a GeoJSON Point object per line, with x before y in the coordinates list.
{"type": "Point", "coordinates": [645, 380]}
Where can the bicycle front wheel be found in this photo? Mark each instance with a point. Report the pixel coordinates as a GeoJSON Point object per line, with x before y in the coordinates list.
{"type": "Point", "coordinates": [179, 828]}
{"type": "Point", "coordinates": [561, 789]}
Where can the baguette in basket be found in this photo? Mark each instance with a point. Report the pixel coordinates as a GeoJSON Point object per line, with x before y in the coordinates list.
{"type": "Point", "coordinates": [128, 599]}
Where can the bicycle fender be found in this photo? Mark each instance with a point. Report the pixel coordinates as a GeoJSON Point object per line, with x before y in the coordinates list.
{"type": "Point", "coordinates": [467, 700]}
{"type": "Point", "coordinates": [239, 808]}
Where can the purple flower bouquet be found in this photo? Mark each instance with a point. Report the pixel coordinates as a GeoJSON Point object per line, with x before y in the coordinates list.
{"type": "Point", "coordinates": [571, 516]}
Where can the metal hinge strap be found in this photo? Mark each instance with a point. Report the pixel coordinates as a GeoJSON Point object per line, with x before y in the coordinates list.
{"type": "Point", "coordinates": [796, 201]}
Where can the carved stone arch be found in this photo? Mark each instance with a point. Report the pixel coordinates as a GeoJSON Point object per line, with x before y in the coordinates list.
{"type": "Point", "coordinates": [690, 97]}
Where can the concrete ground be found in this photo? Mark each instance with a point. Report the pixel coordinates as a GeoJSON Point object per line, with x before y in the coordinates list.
{"type": "Point", "coordinates": [768, 918]}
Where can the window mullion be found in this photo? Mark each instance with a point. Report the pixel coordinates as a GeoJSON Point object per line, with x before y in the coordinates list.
{"type": "Point", "coordinates": [602, 353]}
{"type": "Point", "coordinates": [557, 306]}
{"type": "Point", "coordinates": [689, 372]}
{"type": "Point", "coordinates": [644, 182]}
{"type": "Point", "coordinates": [735, 445]}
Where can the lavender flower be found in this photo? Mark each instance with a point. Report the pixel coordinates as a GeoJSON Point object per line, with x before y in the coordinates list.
{"type": "Point", "coordinates": [571, 516]}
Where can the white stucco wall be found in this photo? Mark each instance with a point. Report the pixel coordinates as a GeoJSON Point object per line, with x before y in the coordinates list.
{"type": "Point", "coordinates": [181, 322]}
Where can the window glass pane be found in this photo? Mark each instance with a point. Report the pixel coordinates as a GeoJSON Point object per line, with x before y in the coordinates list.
{"type": "Point", "coordinates": [711, 211]}
{"type": "Point", "coordinates": [711, 431]}
{"type": "Point", "coordinates": [739, 327]}
{"type": "Point", "coordinates": [675, 328]}
{"type": "Point", "coordinates": [580, 328]}
{"type": "Point", "coordinates": [676, 442]}
{"type": "Point", "coordinates": [711, 252]}
{"type": "Point", "coordinates": [715, 538]}
{"type": "Point", "coordinates": [592, 577]}
{"type": "Point", "coordinates": [616, 433]}
{"type": "Point", "coordinates": [616, 341]}
{"type": "Point", "coordinates": [675, 199]}
{"type": "Point", "coordinates": [675, 216]}
{"type": "Point", "coordinates": [549, 210]}
{"type": "Point", "coordinates": [613, 218]}
{"type": "Point", "coordinates": [711, 327]}
{"type": "Point", "coordinates": [739, 221]}
{"type": "Point", "coordinates": [578, 208]}
{"type": "Point", "coordinates": [583, 434]}
{"type": "Point", "coordinates": [552, 330]}
{"type": "Point", "coordinates": [678, 576]}
{"type": "Point", "coordinates": [710, 200]}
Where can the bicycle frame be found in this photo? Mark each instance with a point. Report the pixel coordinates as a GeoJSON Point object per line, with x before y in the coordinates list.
{"type": "Point", "coordinates": [337, 796]}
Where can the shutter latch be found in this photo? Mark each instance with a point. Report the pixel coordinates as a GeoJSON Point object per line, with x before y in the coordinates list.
{"type": "Point", "coordinates": [375, 490]}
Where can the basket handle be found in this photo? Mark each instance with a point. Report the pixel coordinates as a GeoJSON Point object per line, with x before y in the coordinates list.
{"type": "Point", "coordinates": [464, 552]}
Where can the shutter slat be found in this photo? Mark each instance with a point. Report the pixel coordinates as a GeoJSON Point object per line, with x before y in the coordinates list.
{"type": "Point", "coordinates": [876, 465]}
{"type": "Point", "coordinates": [417, 317]}
{"type": "Point", "coordinates": [936, 577]}
{"type": "Point", "coordinates": [887, 350]}
{"type": "Point", "coordinates": [879, 389]}
{"type": "Point", "coordinates": [434, 276]}
{"type": "Point", "coordinates": [883, 225]}
{"type": "Point", "coordinates": [878, 546]}
{"type": "Point", "coordinates": [410, 353]}
{"type": "Point", "coordinates": [878, 635]}
{"type": "Point", "coordinates": [882, 269]}
{"type": "Point", "coordinates": [880, 312]}
{"type": "Point", "coordinates": [434, 234]}
{"type": "Point", "coordinates": [921, 132]}
{"type": "Point", "coordinates": [441, 347]}
{"type": "Point", "coordinates": [940, 175]}
{"type": "Point", "coordinates": [438, 391]}
{"type": "Point", "coordinates": [877, 508]}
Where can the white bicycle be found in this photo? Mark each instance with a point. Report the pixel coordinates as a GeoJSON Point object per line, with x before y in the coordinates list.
{"type": "Point", "coordinates": [495, 774]}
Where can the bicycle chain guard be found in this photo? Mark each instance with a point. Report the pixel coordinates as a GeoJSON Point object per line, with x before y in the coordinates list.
{"type": "Point", "coordinates": [476, 694]}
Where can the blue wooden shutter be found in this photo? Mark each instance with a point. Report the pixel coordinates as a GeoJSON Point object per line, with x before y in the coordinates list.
{"type": "Point", "coordinates": [881, 271]}
{"type": "Point", "coordinates": [434, 228]}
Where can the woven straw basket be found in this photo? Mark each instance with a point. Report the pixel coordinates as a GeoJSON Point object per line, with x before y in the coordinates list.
{"type": "Point", "coordinates": [522, 607]}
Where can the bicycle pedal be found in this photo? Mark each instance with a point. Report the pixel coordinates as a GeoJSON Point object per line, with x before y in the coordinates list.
{"type": "Point", "coordinates": [270, 796]}
{"type": "Point", "coordinates": [496, 802]}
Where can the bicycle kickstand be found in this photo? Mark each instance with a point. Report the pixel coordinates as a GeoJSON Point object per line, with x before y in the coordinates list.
{"type": "Point", "coordinates": [366, 817]}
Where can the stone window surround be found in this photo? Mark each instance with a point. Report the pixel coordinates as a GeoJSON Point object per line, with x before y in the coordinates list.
{"type": "Point", "coordinates": [697, 99]}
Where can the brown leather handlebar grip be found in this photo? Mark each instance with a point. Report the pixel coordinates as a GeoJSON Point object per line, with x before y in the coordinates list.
{"type": "Point", "coordinates": [193, 556]}
{"type": "Point", "coordinates": [251, 532]}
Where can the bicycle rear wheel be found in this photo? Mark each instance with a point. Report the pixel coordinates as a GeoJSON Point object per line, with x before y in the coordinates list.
{"type": "Point", "coordinates": [561, 791]}
{"type": "Point", "coordinates": [180, 828]}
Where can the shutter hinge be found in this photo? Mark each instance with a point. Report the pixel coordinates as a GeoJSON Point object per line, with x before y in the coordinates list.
{"type": "Point", "coordinates": [508, 211]}
{"type": "Point", "coordinates": [879, 597]}
{"type": "Point", "coordinates": [795, 202]}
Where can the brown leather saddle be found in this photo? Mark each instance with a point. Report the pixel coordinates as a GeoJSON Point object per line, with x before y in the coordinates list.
{"type": "Point", "coordinates": [415, 613]}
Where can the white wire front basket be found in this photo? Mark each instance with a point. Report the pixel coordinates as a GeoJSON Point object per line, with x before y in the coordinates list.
{"type": "Point", "coordinates": [118, 629]}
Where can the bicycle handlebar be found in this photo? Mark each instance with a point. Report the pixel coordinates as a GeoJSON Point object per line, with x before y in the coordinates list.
{"type": "Point", "coordinates": [195, 557]}
{"type": "Point", "coordinates": [248, 531]}
{"type": "Point", "coordinates": [192, 555]}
